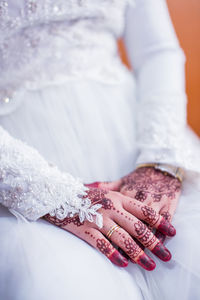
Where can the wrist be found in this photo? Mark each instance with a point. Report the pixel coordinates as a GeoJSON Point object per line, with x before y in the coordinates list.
{"type": "Point", "coordinates": [176, 172]}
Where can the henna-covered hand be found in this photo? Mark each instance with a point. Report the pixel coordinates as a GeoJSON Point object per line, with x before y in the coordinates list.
{"type": "Point", "coordinates": [129, 214]}
{"type": "Point", "coordinates": [152, 187]}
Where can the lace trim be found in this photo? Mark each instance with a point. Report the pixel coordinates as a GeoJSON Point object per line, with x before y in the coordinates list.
{"type": "Point", "coordinates": [32, 187]}
{"type": "Point", "coordinates": [85, 211]}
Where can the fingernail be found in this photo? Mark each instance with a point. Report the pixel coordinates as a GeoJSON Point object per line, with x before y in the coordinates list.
{"type": "Point", "coordinates": [162, 252]}
{"type": "Point", "coordinates": [93, 185]}
{"type": "Point", "coordinates": [171, 231]}
{"type": "Point", "coordinates": [119, 260]}
{"type": "Point", "coordinates": [166, 228]}
{"type": "Point", "coordinates": [146, 262]}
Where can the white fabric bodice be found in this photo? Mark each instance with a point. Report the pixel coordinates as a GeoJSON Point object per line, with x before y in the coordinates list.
{"type": "Point", "coordinates": [36, 36]}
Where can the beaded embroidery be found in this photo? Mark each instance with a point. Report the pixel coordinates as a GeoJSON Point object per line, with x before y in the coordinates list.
{"type": "Point", "coordinates": [34, 188]}
{"type": "Point", "coordinates": [35, 37]}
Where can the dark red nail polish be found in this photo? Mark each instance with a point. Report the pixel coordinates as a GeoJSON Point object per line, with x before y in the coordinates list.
{"type": "Point", "coordinates": [162, 252]}
{"type": "Point", "coordinates": [119, 260]}
{"type": "Point", "coordinates": [166, 228]}
{"type": "Point", "coordinates": [146, 262]}
{"type": "Point", "coordinates": [171, 231]}
{"type": "Point", "coordinates": [92, 185]}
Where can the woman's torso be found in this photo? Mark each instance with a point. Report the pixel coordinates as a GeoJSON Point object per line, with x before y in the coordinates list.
{"type": "Point", "coordinates": [67, 92]}
{"type": "Point", "coordinates": [48, 41]}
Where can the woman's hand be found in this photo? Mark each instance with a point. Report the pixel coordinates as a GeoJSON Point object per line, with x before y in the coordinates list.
{"type": "Point", "coordinates": [160, 191]}
{"type": "Point", "coordinates": [126, 212]}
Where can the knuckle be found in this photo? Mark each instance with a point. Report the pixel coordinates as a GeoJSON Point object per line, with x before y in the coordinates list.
{"type": "Point", "coordinates": [131, 248]}
{"type": "Point", "coordinates": [127, 244]}
{"type": "Point", "coordinates": [116, 235]}
{"type": "Point", "coordinates": [143, 234]}
{"type": "Point", "coordinates": [104, 246]}
{"type": "Point", "coordinates": [150, 215]}
{"type": "Point", "coordinates": [166, 215]}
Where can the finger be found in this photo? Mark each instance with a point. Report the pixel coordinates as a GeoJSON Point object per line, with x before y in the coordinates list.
{"type": "Point", "coordinates": [143, 234]}
{"type": "Point", "coordinates": [149, 215]}
{"type": "Point", "coordinates": [108, 186]}
{"type": "Point", "coordinates": [93, 184]}
{"type": "Point", "coordinates": [111, 186]}
{"type": "Point", "coordinates": [96, 239]}
{"type": "Point", "coordinates": [167, 214]}
{"type": "Point", "coordinates": [122, 239]}
{"type": "Point", "coordinates": [92, 236]}
{"type": "Point", "coordinates": [124, 254]}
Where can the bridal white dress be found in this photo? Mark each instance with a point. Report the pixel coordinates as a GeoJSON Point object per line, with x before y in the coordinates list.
{"type": "Point", "coordinates": [65, 93]}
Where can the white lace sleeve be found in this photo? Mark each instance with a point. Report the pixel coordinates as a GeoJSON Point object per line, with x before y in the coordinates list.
{"type": "Point", "coordinates": [158, 62]}
{"type": "Point", "coordinates": [32, 187]}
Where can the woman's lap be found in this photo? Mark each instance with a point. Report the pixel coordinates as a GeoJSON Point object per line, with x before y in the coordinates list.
{"type": "Point", "coordinates": [40, 261]}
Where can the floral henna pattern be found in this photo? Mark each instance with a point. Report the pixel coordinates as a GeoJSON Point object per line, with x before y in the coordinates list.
{"type": "Point", "coordinates": [139, 228]}
{"type": "Point", "coordinates": [106, 203]}
{"type": "Point", "coordinates": [166, 215]}
{"type": "Point", "coordinates": [143, 234]}
{"type": "Point", "coordinates": [104, 246]}
{"type": "Point", "coordinates": [150, 242]}
{"type": "Point", "coordinates": [141, 196]}
{"type": "Point", "coordinates": [145, 238]}
{"type": "Point", "coordinates": [132, 249]}
{"type": "Point", "coordinates": [60, 223]}
{"type": "Point", "coordinates": [98, 196]}
{"type": "Point", "coordinates": [157, 197]}
{"type": "Point", "coordinates": [149, 181]}
{"type": "Point", "coordinates": [150, 214]}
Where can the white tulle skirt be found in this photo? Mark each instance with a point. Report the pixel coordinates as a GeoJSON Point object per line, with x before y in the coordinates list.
{"type": "Point", "coordinates": [88, 129]}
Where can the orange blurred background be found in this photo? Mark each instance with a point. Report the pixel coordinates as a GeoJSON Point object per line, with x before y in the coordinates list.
{"type": "Point", "coordinates": [185, 15]}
